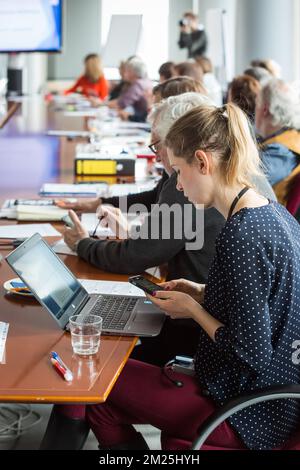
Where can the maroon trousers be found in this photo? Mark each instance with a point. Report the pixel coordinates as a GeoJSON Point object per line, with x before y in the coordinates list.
{"type": "Point", "coordinates": [143, 395]}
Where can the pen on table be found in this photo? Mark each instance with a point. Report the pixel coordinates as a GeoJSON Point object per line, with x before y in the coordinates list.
{"type": "Point", "coordinates": [66, 373]}
{"type": "Point", "coordinates": [59, 359]}
{"type": "Point", "coordinates": [15, 243]}
{"type": "Point", "coordinates": [96, 228]}
{"type": "Point", "coordinates": [24, 290]}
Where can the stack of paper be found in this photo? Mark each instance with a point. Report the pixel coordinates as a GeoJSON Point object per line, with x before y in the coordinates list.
{"type": "Point", "coordinates": [27, 230]}
{"type": "Point", "coordinates": [46, 213]}
{"type": "Point", "coordinates": [69, 190]}
{"type": "Point", "coordinates": [130, 188]}
{"type": "Point", "coordinates": [31, 210]}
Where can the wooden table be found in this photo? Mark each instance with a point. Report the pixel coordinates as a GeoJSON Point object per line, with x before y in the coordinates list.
{"type": "Point", "coordinates": [27, 374]}
{"type": "Point", "coordinates": [29, 158]}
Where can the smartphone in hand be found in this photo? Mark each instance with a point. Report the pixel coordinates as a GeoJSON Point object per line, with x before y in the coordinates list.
{"type": "Point", "coordinates": [144, 284]}
{"type": "Point", "coordinates": [68, 221]}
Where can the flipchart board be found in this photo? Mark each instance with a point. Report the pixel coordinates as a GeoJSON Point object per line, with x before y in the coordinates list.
{"type": "Point", "coordinates": [218, 42]}
{"type": "Point", "coordinates": [123, 39]}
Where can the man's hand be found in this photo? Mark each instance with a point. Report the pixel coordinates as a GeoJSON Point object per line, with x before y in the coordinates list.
{"type": "Point", "coordinates": [124, 115]}
{"type": "Point", "coordinates": [82, 205]}
{"type": "Point", "coordinates": [113, 218]}
{"type": "Point", "coordinates": [75, 234]}
{"type": "Point", "coordinates": [112, 104]}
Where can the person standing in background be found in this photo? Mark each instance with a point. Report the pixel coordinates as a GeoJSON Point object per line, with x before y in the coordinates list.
{"type": "Point", "coordinates": [92, 83]}
{"type": "Point", "coordinates": [192, 35]}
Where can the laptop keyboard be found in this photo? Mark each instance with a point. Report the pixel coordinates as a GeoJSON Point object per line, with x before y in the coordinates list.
{"type": "Point", "coordinates": [115, 311]}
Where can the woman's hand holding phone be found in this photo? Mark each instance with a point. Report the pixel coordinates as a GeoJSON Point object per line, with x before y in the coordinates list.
{"type": "Point", "coordinates": [195, 290]}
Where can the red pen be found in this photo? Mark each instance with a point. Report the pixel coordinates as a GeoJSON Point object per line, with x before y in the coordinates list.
{"type": "Point", "coordinates": [66, 374]}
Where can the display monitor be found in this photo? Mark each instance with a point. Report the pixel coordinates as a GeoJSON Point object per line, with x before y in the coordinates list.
{"type": "Point", "coordinates": [30, 25]}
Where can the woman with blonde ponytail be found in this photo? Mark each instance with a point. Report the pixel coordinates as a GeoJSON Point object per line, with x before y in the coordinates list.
{"type": "Point", "coordinates": [248, 313]}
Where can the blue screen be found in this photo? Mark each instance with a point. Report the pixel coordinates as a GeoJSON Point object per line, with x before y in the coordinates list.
{"type": "Point", "coordinates": [28, 26]}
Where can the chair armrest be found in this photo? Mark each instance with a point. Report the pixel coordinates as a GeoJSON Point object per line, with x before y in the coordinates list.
{"type": "Point", "coordinates": [244, 401]}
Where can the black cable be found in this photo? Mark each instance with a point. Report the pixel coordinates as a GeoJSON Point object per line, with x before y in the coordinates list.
{"type": "Point", "coordinates": [164, 369]}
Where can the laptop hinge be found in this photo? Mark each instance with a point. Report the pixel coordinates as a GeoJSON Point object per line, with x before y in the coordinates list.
{"type": "Point", "coordinates": [82, 304]}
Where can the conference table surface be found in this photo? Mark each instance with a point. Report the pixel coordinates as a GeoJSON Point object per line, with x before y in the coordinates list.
{"type": "Point", "coordinates": [29, 157]}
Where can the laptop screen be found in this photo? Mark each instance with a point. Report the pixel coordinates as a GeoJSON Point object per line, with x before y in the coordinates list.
{"type": "Point", "coordinates": [43, 272]}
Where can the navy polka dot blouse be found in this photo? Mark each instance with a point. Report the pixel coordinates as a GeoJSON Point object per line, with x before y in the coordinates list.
{"type": "Point", "coordinates": [254, 290]}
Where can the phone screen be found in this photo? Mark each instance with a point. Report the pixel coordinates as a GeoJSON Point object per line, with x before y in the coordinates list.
{"type": "Point", "coordinates": [145, 284]}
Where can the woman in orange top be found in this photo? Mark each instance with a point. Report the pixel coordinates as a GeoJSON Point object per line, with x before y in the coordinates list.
{"type": "Point", "coordinates": [93, 82]}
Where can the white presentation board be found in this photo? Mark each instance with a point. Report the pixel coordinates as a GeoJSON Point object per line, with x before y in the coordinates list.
{"type": "Point", "coordinates": [122, 40]}
{"type": "Point", "coordinates": [218, 41]}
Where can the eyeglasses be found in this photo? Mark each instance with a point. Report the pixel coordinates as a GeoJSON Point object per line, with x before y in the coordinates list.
{"type": "Point", "coordinates": [154, 147]}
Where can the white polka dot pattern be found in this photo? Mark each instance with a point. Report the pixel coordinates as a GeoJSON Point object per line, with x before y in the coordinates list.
{"type": "Point", "coordinates": [254, 290]}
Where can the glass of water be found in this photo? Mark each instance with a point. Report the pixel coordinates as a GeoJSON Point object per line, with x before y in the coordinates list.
{"type": "Point", "coordinates": [85, 334]}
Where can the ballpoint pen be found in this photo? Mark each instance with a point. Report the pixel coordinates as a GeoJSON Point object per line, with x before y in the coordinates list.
{"type": "Point", "coordinates": [96, 228]}
{"type": "Point", "coordinates": [57, 358]}
{"type": "Point", "coordinates": [15, 243]}
{"type": "Point", "coordinates": [23, 290]}
{"type": "Point", "coordinates": [66, 373]}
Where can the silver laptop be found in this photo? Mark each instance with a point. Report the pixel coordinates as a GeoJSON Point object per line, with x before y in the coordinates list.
{"type": "Point", "coordinates": [58, 290]}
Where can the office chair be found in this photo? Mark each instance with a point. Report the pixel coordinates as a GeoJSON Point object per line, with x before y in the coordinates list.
{"type": "Point", "coordinates": [242, 402]}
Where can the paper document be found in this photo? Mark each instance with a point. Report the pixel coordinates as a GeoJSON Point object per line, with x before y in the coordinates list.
{"type": "Point", "coordinates": [31, 209]}
{"type": "Point", "coordinates": [84, 113]}
{"type": "Point", "coordinates": [111, 287]}
{"type": "Point", "coordinates": [61, 248]}
{"type": "Point", "coordinates": [66, 133]}
{"type": "Point", "coordinates": [27, 212]}
{"type": "Point", "coordinates": [134, 125]}
{"type": "Point", "coordinates": [126, 140]}
{"type": "Point", "coordinates": [3, 336]}
{"type": "Point", "coordinates": [130, 188]}
{"type": "Point", "coordinates": [27, 230]}
{"type": "Point", "coordinates": [69, 190]}
{"type": "Point", "coordinates": [90, 221]}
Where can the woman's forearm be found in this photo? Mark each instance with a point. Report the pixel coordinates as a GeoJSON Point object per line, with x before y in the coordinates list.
{"type": "Point", "coordinates": [209, 324]}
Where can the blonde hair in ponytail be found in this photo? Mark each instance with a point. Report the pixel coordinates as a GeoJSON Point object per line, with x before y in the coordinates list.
{"type": "Point", "coordinates": [226, 133]}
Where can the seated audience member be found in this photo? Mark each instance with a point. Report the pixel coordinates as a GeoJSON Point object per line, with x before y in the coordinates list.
{"type": "Point", "coordinates": [176, 86]}
{"type": "Point", "coordinates": [269, 64]}
{"type": "Point", "coordinates": [166, 71]}
{"type": "Point", "coordinates": [210, 82]}
{"type": "Point", "coordinates": [243, 91]}
{"type": "Point", "coordinates": [133, 100]}
{"type": "Point", "coordinates": [248, 312]}
{"type": "Point", "coordinates": [189, 69]}
{"type": "Point", "coordinates": [260, 74]}
{"type": "Point", "coordinates": [120, 87]}
{"type": "Point", "coordinates": [277, 120]}
{"type": "Point", "coordinates": [92, 83]}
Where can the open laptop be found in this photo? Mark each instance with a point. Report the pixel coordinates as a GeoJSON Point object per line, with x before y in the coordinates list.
{"type": "Point", "coordinates": [57, 289]}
